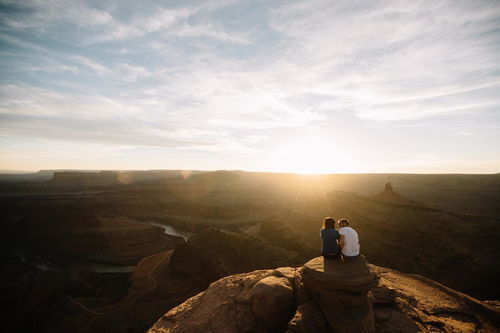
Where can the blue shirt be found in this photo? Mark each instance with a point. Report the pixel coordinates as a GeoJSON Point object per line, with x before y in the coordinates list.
{"type": "Point", "coordinates": [329, 237]}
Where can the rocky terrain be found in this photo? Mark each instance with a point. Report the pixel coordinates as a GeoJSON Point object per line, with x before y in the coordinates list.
{"type": "Point", "coordinates": [220, 253]}
{"type": "Point", "coordinates": [278, 300]}
{"type": "Point", "coordinates": [397, 231]}
{"type": "Point", "coordinates": [158, 282]}
{"type": "Point", "coordinates": [66, 236]}
{"type": "Point", "coordinates": [55, 233]}
{"type": "Point", "coordinates": [32, 299]}
{"type": "Point", "coordinates": [82, 301]}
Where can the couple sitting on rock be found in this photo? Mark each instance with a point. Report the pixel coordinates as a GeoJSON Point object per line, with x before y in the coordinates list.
{"type": "Point", "coordinates": [336, 243]}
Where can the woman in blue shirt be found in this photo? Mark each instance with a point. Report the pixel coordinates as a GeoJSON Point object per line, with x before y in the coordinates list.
{"type": "Point", "coordinates": [329, 236]}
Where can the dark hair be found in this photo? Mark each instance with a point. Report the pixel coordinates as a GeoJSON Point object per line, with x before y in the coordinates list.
{"type": "Point", "coordinates": [329, 222]}
{"type": "Point", "coordinates": [346, 221]}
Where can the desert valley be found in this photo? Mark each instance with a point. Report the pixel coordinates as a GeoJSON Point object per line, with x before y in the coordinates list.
{"type": "Point", "coordinates": [115, 250]}
{"type": "Point", "coordinates": [240, 166]}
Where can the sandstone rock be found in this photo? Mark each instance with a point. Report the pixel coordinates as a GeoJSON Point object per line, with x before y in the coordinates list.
{"type": "Point", "coordinates": [220, 253]}
{"type": "Point", "coordinates": [419, 305]}
{"type": "Point", "coordinates": [425, 305]}
{"type": "Point", "coordinates": [308, 318]}
{"type": "Point", "coordinates": [383, 295]}
{"type": "Point", "coordinates": [249, 302]}
{"type": "Point", "coordinates": [337, 276]}
{"type": "Point", "coordinates": [389, 196]}
{"type": "Point", "coordinates": [272, 300]}
{"type": "Point", "coordinates": [340, 288]}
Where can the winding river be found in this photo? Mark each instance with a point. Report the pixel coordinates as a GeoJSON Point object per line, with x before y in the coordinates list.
{"type": "Point", "coordinates": [170, 230]}
{"type": "Point", "coordinates": [44, 264]}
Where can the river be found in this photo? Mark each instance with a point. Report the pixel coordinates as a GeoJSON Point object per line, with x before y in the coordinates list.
{"type": "Point", "coordinates": [170, 230]}
{"type": "Point", "coordinates": [45, 265]}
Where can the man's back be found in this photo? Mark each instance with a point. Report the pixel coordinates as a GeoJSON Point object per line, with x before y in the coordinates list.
{"type": "Point", "coordinates": [351, 241]}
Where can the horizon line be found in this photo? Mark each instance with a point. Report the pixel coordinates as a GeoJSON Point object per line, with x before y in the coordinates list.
{"type": "Point", "coordinates": [13, 172]}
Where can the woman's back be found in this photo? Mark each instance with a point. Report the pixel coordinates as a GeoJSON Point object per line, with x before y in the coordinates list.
{"type": "Point", "coordinates": [329, 237]}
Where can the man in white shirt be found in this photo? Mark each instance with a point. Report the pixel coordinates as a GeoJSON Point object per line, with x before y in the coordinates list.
{"type": "Point", "coordinates": [348, 241]}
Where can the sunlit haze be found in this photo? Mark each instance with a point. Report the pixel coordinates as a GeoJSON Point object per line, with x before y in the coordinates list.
{"type": "Point", "coordinates": [297, 86]}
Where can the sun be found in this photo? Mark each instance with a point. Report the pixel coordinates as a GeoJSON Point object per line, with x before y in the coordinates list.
{"type": "Point", "coordinates": [312, 155]}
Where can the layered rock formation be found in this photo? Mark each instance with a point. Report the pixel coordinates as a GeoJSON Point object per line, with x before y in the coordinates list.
{"type": "Point", "coordinates": [69, 237]}
{"type": "Point", "coordinates": [109, 178]}
{"type": "Point", "coordinates": [101, 178]}
{"type": "Point", "coordinates": [220, 253]}
{"type": "Point", "coordinates": [158, 282]}
{"type": "Point", "coordinates": [312, 299]}
{"type": "Point", "coordinates": [460, 251]}
{"type": "Point", "coordinates": [413, 303]}
{"type": "Point", "coordinates": [261, 301]}
{"type": "Point", "coordinates": [389, 196]}
{"type": "Point", "coordinates": [33, 300]}
{"type": "Point", "coordinates": [395, 232]}
{"type": "Point", "coordinates": [339, 289]}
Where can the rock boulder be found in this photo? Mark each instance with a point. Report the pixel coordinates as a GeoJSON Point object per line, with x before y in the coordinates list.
{"type": "Point", "coordinates": [340, 289]}
{"type": "Point", "coordinates": [272, 300]}
{"type": "Point", "coordinates": [258, 302]}
{"type": "Point", "coordinates": [329, 297]}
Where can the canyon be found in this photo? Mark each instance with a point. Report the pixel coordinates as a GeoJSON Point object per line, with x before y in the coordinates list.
{"type": "Point", "coordinates": [100, 246]}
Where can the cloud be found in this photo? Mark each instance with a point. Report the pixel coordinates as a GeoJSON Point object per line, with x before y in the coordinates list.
{"type": "Point", "coordinates": [373, 54]}
{"type": "Point", "coordinates": [463, 101]}
{"type": "Point", "coordinates": [162, 19]}
{"type": "Point", "coordinates": [231, 76]}
{"type": "Point", "coordinates": [132, 73]}
{"type": "Point", "coordinates": [96, 67]}
{"type": "Point", "coordinates": [84, 24]}
{"type": "Point", "coordinates": [44, 14]}
{"type": "Point", "coordinates": [422, 163]}
{"type": "Point", "coordinates": [40, 113]}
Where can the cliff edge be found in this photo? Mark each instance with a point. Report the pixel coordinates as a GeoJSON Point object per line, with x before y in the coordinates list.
{"type": "Point", "coordinates": [349, 296]}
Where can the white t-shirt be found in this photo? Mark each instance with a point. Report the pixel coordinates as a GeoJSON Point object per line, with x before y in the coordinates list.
{"type": "Point", "coordinates": [351, 241]}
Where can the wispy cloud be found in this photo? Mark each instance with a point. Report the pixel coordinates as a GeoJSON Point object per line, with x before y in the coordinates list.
{"type": "Point", "coordinates": [39, 113]}
{"type": "Point", "coordinates": [374, 54]}
{"type": "Point", "coordinates": [233, 76]}
{"type": "Point", "coordinates": [46, 18]}
{"type": "Point", "coordinates": [424, 163]}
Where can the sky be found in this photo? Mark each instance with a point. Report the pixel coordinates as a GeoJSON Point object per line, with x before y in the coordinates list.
{"type": "Point", "coordinates": [316, 86]}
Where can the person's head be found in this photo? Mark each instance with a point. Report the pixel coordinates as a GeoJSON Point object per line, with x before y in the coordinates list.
{"type": "Point", "coordinates": [343, 223]}
{"type": "Point", "coordinates": [329, 223]}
